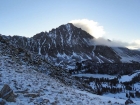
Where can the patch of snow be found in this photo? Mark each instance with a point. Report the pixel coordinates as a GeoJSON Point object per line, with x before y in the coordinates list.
{"type": "Point", "coordinates": [74, 54]}
{"type": "Point", "coordinates": [62, 41]}
{"type": "Point", "coordinates": [95, 75]}
{"type": "Point", "coordinates": [106, 59]}
{"type": "Point", "coordinates": [88, 57]}
{"type": "Point", "coordinates": [100, 61]}
{"type": "Point", "coordinates": [125, 57]}
{"type": "Point", "coordinates": [127, 78]}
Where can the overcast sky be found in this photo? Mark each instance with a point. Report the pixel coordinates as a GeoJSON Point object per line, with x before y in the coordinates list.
{"type": "Point", "coordinates": [112, 19]}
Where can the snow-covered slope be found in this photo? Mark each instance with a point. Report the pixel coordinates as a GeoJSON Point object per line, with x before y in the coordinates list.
{"type": "Point", "coordinates": [127, 55]}
{"type": "Point", "coordinates": [34, 88]}
{"type": "Point", "coordinates": [127, 78]}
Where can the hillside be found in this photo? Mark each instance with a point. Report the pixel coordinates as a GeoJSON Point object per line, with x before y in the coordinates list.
{"type": "Point", "coordinates": [34, 88]}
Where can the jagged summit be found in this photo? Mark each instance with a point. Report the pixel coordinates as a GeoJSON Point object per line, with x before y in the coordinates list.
{"type": "Point", "coordinates": [67, 32]}
{"type": "Point", "coordinates": [68, 25]}
{"type": "Point", "coordinates": [69, 29]}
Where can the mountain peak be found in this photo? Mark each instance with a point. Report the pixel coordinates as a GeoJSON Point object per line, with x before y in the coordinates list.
{"type": "Point", "coordinates": [68, 24]}
{"type": "Point", "coordinates": [68, 44]}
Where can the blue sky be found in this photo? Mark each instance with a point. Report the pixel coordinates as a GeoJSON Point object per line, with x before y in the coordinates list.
{"type": "Point", "coordinates": [120, 18]}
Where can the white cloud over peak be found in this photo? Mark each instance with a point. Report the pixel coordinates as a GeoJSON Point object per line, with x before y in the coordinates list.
{"type": "Point", "coordinates": [134, 45]}
{"type": "Point", "coordinates": [97, 31]}
{"type": "Point", "coordinates": [89, 26]}
{"type": "Point", "coordinates": [111, 43]}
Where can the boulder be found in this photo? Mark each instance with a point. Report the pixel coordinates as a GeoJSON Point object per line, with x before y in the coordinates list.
{"type": "Point", "coordinates": [7, 93]}
{"type": "Point", "coordinates": [128, 101]}
{"type": "Point", "coordinates": [33, 95]}
{"type": "Point", "coordinates": [2, 102]}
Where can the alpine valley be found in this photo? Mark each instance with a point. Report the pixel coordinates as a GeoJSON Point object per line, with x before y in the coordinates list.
{"type": "Point", "coordinates": [65, 66]}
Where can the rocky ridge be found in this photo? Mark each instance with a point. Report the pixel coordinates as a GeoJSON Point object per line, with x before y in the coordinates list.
{"type": "Point", "coordinates": [67, 44]}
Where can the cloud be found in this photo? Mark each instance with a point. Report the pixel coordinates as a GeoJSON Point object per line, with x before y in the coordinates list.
{"type": "Point", "coordinates": [97, 31]}
{"type": "Point", "coordinates": [111, 43]}
{"type": "Point", "coordinates": [134, 44]}
{"type": "Point", "coordinates": [90, 26]}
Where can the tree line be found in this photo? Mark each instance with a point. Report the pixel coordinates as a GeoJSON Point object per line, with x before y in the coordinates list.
{"type": "Point", "coordinates": [105, 68]}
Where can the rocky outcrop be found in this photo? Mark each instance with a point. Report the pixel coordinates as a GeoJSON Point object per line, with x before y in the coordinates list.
{"type": "Point", "coordinates": [7, 94]}
{"type": "Point", "coordinates": [128, 101]}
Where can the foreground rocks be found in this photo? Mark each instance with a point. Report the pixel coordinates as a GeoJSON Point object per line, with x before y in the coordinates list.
{"type": "Point", "coordinates": [7, 94]}
{"type": "Point", "coordinates": [2, 102]}
{"type": "Point", "coordinates": [128, 101]}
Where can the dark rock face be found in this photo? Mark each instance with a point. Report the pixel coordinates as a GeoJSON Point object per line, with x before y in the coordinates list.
{"type": "Point", "coordinates": [104, 52]}
{"type": "Point", "coordinates": [7, 93]}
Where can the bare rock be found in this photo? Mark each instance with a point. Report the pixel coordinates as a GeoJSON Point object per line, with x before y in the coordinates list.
{"type": "Point", "coordinates": [7, 93]}
{"type": "Point", "coordinates": [2, 102]}
{"type": "Point", "coordinates": [33, 95]}
{"type": "Point", "coordinates": [128, 101]}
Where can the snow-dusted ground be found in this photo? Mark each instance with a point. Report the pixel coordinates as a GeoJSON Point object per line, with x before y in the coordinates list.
{"type": "Point", "coordinates": [125, 57]}
{"type": "Point", "coordinates": [95, 75]}
{"type": "Point", "coordinates": [121, 96]}
{"type": "Point", "coordinates": [124, 78]}
{"type": "Point", "coordinates": [127, 78]}
{"type": "Point", "coordinates": [34, 88]}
